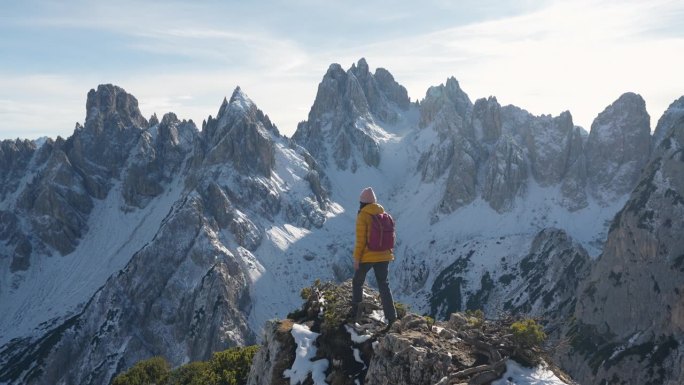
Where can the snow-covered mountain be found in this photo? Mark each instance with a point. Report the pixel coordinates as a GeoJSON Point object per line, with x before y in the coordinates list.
{"type": "Point", "coordinates": [151, 253]}
{"type": "Point", "coordinates": [135, 238]}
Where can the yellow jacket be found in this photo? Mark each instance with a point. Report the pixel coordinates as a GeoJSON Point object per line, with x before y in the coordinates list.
{"type": "Point", "coordinates": [363, 226]}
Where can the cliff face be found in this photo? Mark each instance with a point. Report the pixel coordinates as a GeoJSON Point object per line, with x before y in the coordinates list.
{"type": "Point", "coordinates": [618, 147]}
{"type": "Point", "coordinates": [629, 315]}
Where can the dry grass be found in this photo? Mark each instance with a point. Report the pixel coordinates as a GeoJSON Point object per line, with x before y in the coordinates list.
{"type": "Point", "coordinates": [285, 326]}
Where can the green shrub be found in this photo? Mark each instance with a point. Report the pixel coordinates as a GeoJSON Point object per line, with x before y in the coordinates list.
{"type": "Point", "coordinates": [147, 372]}
{"type": "Point", "coordinates": [297, 314]}
{"type": "Point", "coordinates": [305, 293]}
{"type": "Point", "coordinates": [232, 365]}
{"type": "Point", "coordinates": [527, 333]}
{"type": "Point", "coordinates": [194, 373]}
{"type": "Point", "coordinates": [401, 308]}
{"type": "Point", "coordinates": [334, 310]}
{"type": "Point", "coordinates": [475, 313]}
{"type": "Point", "coordinates": [229, 367]}
{"type": "Point", "coordinates": [430, 321]}
{"type": "Point", "coordinates": [475, 318]}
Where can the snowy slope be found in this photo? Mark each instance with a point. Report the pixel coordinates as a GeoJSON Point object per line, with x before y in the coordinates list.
{"type": "Point", "coordinates": [427, 237]}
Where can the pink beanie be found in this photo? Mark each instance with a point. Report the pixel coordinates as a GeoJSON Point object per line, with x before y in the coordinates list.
{"type": "Point", "coordinates": [367, 196]}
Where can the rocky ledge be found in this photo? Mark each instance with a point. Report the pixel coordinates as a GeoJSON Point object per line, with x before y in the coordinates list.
{"type": "Point", "coordinates": [321, 344]}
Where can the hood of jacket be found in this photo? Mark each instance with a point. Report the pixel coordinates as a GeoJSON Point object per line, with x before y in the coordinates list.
{"type": "Point", "coordinates": [373, 209]}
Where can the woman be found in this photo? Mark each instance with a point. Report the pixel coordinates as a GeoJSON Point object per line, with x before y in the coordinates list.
{"type": "Point", "coordinates": [365, 259]}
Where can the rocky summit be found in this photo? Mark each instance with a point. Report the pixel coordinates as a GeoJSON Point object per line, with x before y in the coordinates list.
{"type": "Point", "coordinates": [137, 237]}
{"type": "Point", "coordinates": [320, 343]}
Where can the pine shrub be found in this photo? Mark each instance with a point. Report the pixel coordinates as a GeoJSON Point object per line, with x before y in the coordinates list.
{"type": "Point", "coordinates": [147, 372]}
{"type": "Point", "coordinates": [229, 367]}
{"type": "Point", "coordinates": [527, 333]}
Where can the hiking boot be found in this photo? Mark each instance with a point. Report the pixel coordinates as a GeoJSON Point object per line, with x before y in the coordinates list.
{"type": "Point", "coordinates": [352, 314]}
{"type": "Point", "coordinates": [389, 325]}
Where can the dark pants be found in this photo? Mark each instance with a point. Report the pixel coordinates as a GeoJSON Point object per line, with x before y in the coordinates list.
{"type": "Point", "coordinates": [381, 271]}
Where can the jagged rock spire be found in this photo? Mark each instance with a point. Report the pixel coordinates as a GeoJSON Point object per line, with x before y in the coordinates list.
{"type": "Point", "coordinates": [619, 145]}
{"type": "Point", "coordinates": [337, 126]}
{"type": "Point", "coordinates": [241, 134]}
{"type": "Point", "coordinates": [671, 117]}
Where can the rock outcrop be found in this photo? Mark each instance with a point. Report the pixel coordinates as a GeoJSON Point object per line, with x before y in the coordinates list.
{"type": "Point", "coordinates": [414, 350]}
{"type": "Point", "coordinates": [57, 202]}
{"type": "Point", "coordinates": [448, 111]}
{"type": "Point", "coordinates": [157, 159]}
{"type": "Point", "coordinates": [15, 156]}
{"type": "Point", "coordinates": [100, 148]}
{"type": "Point", "coordinates": [487, 120]}
{"type": "Point", "coordinates": [667, 122]}
{"type": "Point", "coordinates": [546, 280]}
{"type": "Point", "coordinates": [505, 175]}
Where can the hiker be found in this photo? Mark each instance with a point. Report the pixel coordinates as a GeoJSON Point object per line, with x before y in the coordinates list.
{"type": "Point", "coordinates": [369, 253]}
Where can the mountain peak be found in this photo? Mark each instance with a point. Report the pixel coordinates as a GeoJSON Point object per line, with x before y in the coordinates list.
{"type": "Point", "coordinates": [240, 99]}
{"type": "Point", "coordinates": [618, 147]}
{"type": "Point", "coordinates": [452, 83]}
{"type": "Point", "coordinates": [239, 103]}
{"type": "Point", "coordinates": [630, 96]}
{"type": "Point", "coordinates": [448, 98]}
{"type": "Point", "coordinates": [629, 109]}
{"type": "Point", "coordinates": [360, 67]}
{"type": "Point", "coordinates": [673, 114]}
{"type": "Point", "coordinates": [109, 99]}
{"type": "Point", "coordinates": [334, 71]}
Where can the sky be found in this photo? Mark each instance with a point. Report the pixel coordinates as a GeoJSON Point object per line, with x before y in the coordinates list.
{"type": "Point", "coordinates": [186, 56]}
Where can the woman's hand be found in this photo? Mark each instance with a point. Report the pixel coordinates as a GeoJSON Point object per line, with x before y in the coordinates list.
{"type": "Point", "coordinates": [356, 265]}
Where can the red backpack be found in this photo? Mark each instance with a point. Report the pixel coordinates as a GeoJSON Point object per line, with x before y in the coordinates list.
{"type": "Point", "coordinates": [381, 236]}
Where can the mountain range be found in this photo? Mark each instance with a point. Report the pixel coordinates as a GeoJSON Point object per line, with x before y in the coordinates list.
{"type": "Point", "coordinates": [137, 237]}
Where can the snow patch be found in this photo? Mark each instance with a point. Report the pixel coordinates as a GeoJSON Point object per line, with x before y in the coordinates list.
{"type": "Point", "coordinates": [355, 337]}
{"type": "Point", "coordinates": [378, 315]}
{"type": "Point", "coordinates": [306, 351]}
{"type": "Point", "coordinates": [517, 374]}
{"type": "Point", "coordinates": [357, 357]}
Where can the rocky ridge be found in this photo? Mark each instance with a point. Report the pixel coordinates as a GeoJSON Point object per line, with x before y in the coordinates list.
{"type": "Point", "coordinates": [414, 350]}
{"type": "Point", "coordinates": [185, 292]}
{"type": "Point", "coordinates": [484, 150]}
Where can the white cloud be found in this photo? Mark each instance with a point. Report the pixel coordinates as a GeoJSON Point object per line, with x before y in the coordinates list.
{"type": "Point", "coordinates": [40, 105]}
{"type": "Point", "coordinates": [577, 56]}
